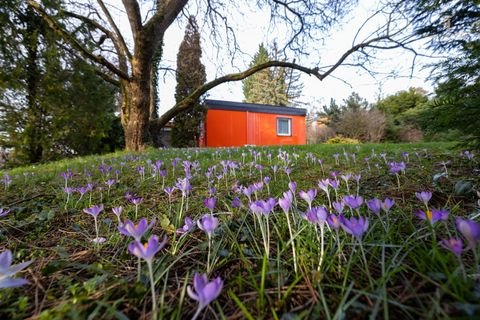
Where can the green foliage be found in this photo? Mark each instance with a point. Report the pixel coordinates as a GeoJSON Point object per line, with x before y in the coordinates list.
{"type": "Point", "coordinates": [52, 104]}
{"type": "Point", "coordinates": [332, 111]}
{"type": "Point", "coordinates": [402, 101]}
{"type": "Point", "coordinates": [190, 75]}
{"type": "Point", "coordinates": [355, 280]}
{"type": "Point", "coordinates": [454, 30]}
{"type": "Point", "coordinates": [342, 140]}
{"type": "Point", "coordinates": [275, 86]}
{"type": "Point", "coordinates": [402, 109]}
{"type": "Point", "coordinates": [354, 103]}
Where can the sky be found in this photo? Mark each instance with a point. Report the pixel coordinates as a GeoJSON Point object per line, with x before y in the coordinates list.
{"type": "Point", "coordinates": [339, 86]}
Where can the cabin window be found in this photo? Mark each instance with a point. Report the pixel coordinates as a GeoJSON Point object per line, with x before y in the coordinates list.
{"type": "Point", "coordinates": [284, 126]}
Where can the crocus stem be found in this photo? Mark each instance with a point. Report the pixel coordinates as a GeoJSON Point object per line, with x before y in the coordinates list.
{"type": "Point", "coordinates": [321, 247]}
{"type": "Point", "coordinates": [181, 210]}
{"type": "Point", "coordinates": [139, 269]}
{"type": "Point", "coordinates": [293, 244]}
{"type": "Point", "coordinates": [152, 288]}
{"type": "Point", "coordinates": [370, 280]}
{"type": "Point", "coordinates": [197, 313]}
{"type": "Point", "coordinates": [475, 259]}
{"type": "Point", "coordinates": [208, 254]}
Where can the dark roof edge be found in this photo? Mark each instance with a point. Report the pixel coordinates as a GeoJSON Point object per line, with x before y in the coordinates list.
{"type": "Point", "coordinates": [252, 107]}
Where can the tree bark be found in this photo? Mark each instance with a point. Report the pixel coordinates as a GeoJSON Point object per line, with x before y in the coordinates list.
{"type": "Point", "coordinates": [135, 113]}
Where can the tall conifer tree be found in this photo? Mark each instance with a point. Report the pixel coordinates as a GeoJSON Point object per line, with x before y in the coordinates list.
{"type": "Point", "coordinates": [190, 75]}
{"type": "Point", "coordinates": [276, 86]}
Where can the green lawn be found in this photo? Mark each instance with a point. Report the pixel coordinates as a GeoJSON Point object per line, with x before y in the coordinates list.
{"type": "Point", "coordinates": [271, 263]}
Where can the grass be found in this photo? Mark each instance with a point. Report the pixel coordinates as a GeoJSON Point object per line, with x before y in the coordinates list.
{"type": "Point", "coordinates": [397, 269]}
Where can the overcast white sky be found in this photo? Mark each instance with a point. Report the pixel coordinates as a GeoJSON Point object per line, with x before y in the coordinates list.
{"type": "Point", "coordinates": [315, 93]}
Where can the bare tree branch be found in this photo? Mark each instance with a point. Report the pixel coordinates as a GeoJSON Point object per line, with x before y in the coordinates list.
{"type": "Point", "coordinates": [74, 42]}
{"type": "Point", "coordinates": [118, 34]}
{"type": "Point", "coordinates": [134, 16]}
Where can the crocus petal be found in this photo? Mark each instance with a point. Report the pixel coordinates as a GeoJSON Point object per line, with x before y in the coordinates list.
{"type": "Point", "coordinates": [5, 259]}
{"type": "Point", "coordinates": [18, 267]}
{"type": "Point", "coordinates": [12, 282]}
{"type": "Point", "coordinates": [212, 290]}
{"type": "Point", "coordinates": [192, 294]}
{"type": "Point", "coordinates": [199, 282]}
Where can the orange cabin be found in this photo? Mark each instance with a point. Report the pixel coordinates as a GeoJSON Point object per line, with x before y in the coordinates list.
{"type": "Point", "coordinates": [229, 124]}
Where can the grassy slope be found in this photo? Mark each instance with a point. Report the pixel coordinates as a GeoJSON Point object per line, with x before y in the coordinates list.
{"type": "Point", "coordinates": [398, 271]}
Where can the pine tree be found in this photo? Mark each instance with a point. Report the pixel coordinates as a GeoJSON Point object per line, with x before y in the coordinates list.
{"type": "Point", "coordinates": [256, 87]}
{"type": "Point", "coordinates": [190, 75]}
{"type": "Point", "coordinates": [51, 103]}
{"type": "Point", "coordinates": [276, 86]}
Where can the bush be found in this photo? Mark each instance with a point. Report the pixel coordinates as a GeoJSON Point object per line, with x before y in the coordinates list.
{"type": "Point", "coordinates": [364, 125]}
{"type": "Point", "coordinates": [317, 134]}
{"type": "Point", "coordinates": [342, 140]}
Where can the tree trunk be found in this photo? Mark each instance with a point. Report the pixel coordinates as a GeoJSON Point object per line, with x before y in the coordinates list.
{"type": "Point", "coordinates": [135, 112]}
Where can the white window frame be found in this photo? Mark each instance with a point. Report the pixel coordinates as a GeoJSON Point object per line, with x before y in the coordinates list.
{"type": "Point", "coordinates": [289, 134]}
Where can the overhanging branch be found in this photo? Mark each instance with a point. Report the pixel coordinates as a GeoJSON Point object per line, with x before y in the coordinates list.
{"type": "Point", "coordinates": [74, 42]}
{"type": "Point", "coordinates": [197, 93]}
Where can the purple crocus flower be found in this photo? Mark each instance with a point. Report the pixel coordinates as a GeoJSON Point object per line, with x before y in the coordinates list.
{"type": "Point", "coordinates": [453, 244]}
{"type": "Point", "coordinates": [67, 174]}
{"type": "Point", "coordinates": [203, 291]}
{"type": "Point", "coordinates": [147, 250]}
{"type": "Point", "coordinates": [136, 231]}
{"type": "Point", "coordinates": [338, 206]}
{"type": "Point", "coordinates": [316, 215]}
{"type": "Point", "coordinates": [357, 177]}
{"type": "Point", "coordinates": [111, 182]}
{"type": "Point", "coordinates": [352, 201]}
{"type": "Point", "coordinates": [334, 183]}
{"type": "Point", "coordinates": [208, 223]}
{"type": "Point", "coordinates": [354, 226]}
{"type": "Point", "coordinates": [259, 207]}
{"type": "Point", "coordinates": [396, 167]}
{"type": "Point", "coordinates": [187, 227]}
{"type": "Point", "coordinates": [470, 230]}
{"type": "Point", "coordinates": [236, 203]}
{"type": "Point", "coordinates": [169, 191]}
{"type": "Point", "coordinates": [270, 204]}
{"type": "Point", "coordinates": [308, 196]}
{"type": "Point", "coordinates": [210, 203]}
{"type": "Point", "coordinates": [286, 201]}
{"type": "Point", "coordinates": [432, 215]}
{"type": "Point", "coordinates": [346, 177]}
{"type": "Point", "coordinates": [7, 271]}
{"type": "Point", "coordinates": [136, 200]}
{"type": "Point", "coordinates": [387, 204]}
{"type": "Point", "coordinates": [324, 184]}
{"type": "Point", "coordinates": [248, 191]}
{"type": "Point", "coordinates": [68, 190]}
{"type": "Point", "coordinates": [424, 196]}
{"type": "Point", "coordinates": [4, 212]}
{"type": "Point", "coordinates": [118, 211]}
{"type": "Point", "coordinates": [333, 221]}
{"type": "Point", "coordinates": [94, 210]}
{"type": "Point", "coordinates": [292, 185]}
{"type": "Point", "coordinates": [375, 205]}
{"type": "Point", "coordinates": [82, 190]}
